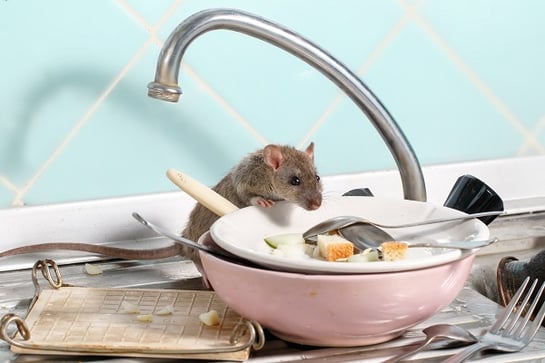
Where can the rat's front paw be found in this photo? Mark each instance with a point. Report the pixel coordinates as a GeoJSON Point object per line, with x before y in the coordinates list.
{"type": "Point", "coordinates": [262, 202]}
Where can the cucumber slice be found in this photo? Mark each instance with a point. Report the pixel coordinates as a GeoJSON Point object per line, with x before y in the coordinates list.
{"type": "Point", "coordinates": [370, 256]}
{"type": "Point", "coordinates": [285, 239]}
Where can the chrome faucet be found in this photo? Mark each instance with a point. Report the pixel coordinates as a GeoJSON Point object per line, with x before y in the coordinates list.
{"type": "Point", "coordinates": [165, 86]}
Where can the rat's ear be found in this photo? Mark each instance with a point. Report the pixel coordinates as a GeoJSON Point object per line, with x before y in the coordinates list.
{"type": "Point", "coordinates": [273, 156]}
{"type": "Point", "coordinates": [310, 150]}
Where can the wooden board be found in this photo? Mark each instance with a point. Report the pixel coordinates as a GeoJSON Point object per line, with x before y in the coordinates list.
{"type": "Point", "coordinates": [73, 320]}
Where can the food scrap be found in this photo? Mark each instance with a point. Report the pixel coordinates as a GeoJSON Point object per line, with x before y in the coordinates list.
{"type": "Point", "coordinates": [129, 308]}
{"type": "Point", "coordinates": [145, 318]}
{"type": "Point", "coordinates": [92, 269]}
{"type": "Point", "coordinates": [210, 318]}
{"type": "Point", "coordinates": [333, 247]}
{"type": "Point", "coordinates": [167, 310]}
{"type": "Point", "coordinates": [394, 250]}
{"type": "Point", "coordinates": [368, 255]}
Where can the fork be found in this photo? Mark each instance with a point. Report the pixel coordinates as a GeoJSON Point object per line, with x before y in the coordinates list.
{"type": "Point", "coordinates": [510, 332]}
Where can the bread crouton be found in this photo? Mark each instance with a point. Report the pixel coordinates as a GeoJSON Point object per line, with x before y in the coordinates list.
{"type": "Point", "coordinates": [394, 250]}
{"type": "Point", "coordinates": [334, 247]}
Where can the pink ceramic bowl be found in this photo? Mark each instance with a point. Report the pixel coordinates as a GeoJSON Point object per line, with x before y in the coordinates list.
{"type": "Point", "coordinates": [335, 310]}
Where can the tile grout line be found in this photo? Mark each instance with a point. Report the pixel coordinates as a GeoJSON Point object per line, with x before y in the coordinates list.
{"type": "Point", "coordinates": [18, 199]}
{"type": "Point", "coordinates": [370, 60]}
{"type": "Point", "coordinates": [8, 184]}
{"type": "Point", "coordinates": [137, 17]}
{"type": "Point", "coordinates": [81, 122]}
{"type": "Point", "coordinates": [484, 89]}
{"type": "Point", "coordinates": [538, 127]}
{"type": "Point", "coordinates": [151, 29]}
{"type": "Point", "coordinates": [224, 104]}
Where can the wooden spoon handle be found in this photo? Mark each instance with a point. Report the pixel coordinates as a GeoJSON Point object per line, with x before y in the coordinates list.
{"type": "Point", "coordinates": [201, 193]}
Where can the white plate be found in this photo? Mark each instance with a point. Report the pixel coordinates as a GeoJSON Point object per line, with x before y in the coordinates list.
{"type": "Point", "coordinates": [242, 232]}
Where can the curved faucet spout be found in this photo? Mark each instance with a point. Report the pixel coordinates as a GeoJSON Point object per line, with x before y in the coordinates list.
{"type": "Point", "coordinates": [165, 86]}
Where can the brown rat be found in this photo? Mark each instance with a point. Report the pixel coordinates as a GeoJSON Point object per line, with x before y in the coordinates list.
{"type": "Point", "coordinates": [274, 173]}
{"type": "Point", "coordinates": [268, 175]}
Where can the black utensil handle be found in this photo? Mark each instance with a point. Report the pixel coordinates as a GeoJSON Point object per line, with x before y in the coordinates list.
{"type": "Point", "coordinates": [471, 195]}
{"type": "Point", "coordinates": [360, 192]}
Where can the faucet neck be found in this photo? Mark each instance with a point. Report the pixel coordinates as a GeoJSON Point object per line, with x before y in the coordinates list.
{"type": "Point", "coordinates": [166, 78]}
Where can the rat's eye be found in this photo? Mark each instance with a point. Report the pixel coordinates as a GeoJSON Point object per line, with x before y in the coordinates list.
{"type": "Point", "coordinates": [317, 178]}
{"type": "Point", "coordinates": [295, 180]}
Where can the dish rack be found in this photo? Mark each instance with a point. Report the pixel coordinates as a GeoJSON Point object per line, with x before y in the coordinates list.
{"type": "Point", "coordinates": [160, 323]}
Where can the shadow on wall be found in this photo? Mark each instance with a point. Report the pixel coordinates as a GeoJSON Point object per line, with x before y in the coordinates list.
{"type": "Point", "coordinates": [177, 124]}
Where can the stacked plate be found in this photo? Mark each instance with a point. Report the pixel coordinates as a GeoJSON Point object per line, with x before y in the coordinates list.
{"type": "Point", "coordinates": [243, 232]}
{"type": "Point", "coordinates": [316, 302]}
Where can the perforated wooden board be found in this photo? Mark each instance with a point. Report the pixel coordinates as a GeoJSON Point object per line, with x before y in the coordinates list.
{"type": "Point", "coordinates": [74, 320]}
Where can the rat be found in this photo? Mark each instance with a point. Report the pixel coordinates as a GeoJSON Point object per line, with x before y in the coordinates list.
{"type": "Point", "coordinates": [268, 175]}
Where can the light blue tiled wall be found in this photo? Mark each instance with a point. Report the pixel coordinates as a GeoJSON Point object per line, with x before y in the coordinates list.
{"type": "Point", "coordinates": [464, 79]}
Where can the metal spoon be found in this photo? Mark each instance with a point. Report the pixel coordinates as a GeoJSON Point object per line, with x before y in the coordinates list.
{"type": "Point", "coordinates": [363, 237]}
{"type": "Point", "coordinates": [444, 335]}
{"type": "Point", "coordinates": [215, 251]}
{"type": "Point", "coordinates": [371, 232]}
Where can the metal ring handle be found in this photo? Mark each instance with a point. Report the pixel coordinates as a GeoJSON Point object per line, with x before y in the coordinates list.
{"type": "Point", "coordinates": [22, 329]}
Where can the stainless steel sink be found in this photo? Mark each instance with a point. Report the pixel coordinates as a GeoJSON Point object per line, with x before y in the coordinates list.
{"type": "Point", "coordinates": [520, 235]}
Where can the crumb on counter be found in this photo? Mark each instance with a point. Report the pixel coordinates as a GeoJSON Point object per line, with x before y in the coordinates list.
{"type": "Point", "coordinates": [145, 318]}
{"type": "Point", "coordinates": [129, 308]}
{"type": "Point", "coordinates": [167, 310]}
{"type": "Point", "coordinates": [210, 318]}
{"type": "Point", "coordinates": [92, 269]}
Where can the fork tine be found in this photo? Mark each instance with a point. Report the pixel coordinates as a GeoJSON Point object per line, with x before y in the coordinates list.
{"type": "Point", "coordinates": [503, 340]}
{"type": "Point", "coordinates": [520, 310]}
{"type": "Point", "coordinates": [536, 324]}
{"type": "Point", "coordinates": [504, 316]}
{"type": "Point", "coordinates": [530, 309]}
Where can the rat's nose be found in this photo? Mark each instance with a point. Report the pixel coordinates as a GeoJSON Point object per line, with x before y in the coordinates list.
{"type": "Point", "coordinates": [314, 204]}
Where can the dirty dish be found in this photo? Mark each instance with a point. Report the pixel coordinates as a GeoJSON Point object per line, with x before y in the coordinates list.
{"type": "Point", "coordinates": [375, 307]}
{"type": "Point", "coordinates": [242, 233]}
{"type": "Point", "coordinates": [369, 234]}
